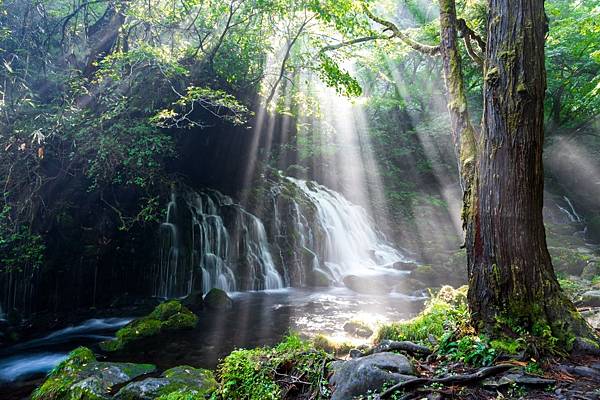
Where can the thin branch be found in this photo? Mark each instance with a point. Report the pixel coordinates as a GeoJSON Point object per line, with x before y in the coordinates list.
{"type": "Point", "coordinates": [354, 41]}
{"type": "Point", "coordinates": [468, 35]}
{"type": "Point", "coordinates": [423, 48]}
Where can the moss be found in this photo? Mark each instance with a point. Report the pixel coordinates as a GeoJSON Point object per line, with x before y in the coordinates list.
{"type": "Point", "coordinates": [322, 342]}
{"type": "Point", "coordinates": [171, 315]}
{"type": "Point", "coordinates": [62, 377]}
{"type": "Point", "coordinates": [165, 310]}
{"type": "Point", "coordinates": [507, 345]}
{"type": "Point", "coordinates": [140, 328]}
{"type": "Point", "coordinates": [445, 311]}
{"type": "Point", "coordinates": [251, 374]}
{"type": "Point", "coordinates": [181, 320]}
{"type": "Point", "coordinates": [568, 261]}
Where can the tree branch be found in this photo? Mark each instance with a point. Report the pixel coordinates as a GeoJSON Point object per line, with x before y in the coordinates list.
{"type": "Point", "coordinates": [468, 34]}
{"type": "Point", "coordinates": [396, 32]}
{"type": "Point", "coordinates": [354, 41]}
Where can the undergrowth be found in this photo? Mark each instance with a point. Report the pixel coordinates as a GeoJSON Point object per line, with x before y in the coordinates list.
{"type": "Point", "coordinates": [293, 367]}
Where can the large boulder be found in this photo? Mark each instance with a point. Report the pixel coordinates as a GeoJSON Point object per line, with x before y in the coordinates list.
{"type": "Point", "coordinates": [82, 377]}
{"type": "Point", "coordinates": [187, 382]}
{"type": "Point", "coordinates": [356, 377]}
{"type": "Point", "coordinates": [217, 299]}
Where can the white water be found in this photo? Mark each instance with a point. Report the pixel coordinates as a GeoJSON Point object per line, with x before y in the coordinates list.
{"type": "Point", "coordinates": [353, 245]}
{"type": "Point", "coordinates": [210, 242]}
{"type": "Point", "coordinates": [15, 368]}
{"type": "Point", "coordinates": [40, 355]}
{"type": "Point", "coordinates": [570, 213]}
{"type": "Point", "coordinates": [197, 243]}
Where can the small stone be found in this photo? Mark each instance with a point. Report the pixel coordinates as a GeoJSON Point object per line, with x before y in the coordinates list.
{"type": "Point", "coordinates": [358, 329]}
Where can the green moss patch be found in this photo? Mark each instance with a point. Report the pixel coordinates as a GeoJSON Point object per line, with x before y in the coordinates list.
{"type": "Point", "coordinates": [260, 374]}
{"type": "Point", "coordinates": [81, 377]}
{"type": "Point", "coordinates": [444, 312]}
{"type": "Point", "coordinates": [168, 316]}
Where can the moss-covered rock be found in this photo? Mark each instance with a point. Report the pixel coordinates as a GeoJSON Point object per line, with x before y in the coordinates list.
{"type": "Point", "coordinates": [568, 261]}
{"type": "Point", "coordinates": [168, 316]}
{"type": "Point", "coordinates": [217, 299]}
{"type": "Point", "coordinates": [182, 382]}
{"type": "Point", "coordinates": [81, 377]}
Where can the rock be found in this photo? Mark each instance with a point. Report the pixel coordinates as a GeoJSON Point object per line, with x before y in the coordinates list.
{"type": "Point", "coordinates": [194, 301]}
{"type": "Point", "coordinates": [355, 353]}
{"type": "Point", "coordinates": [366, 284]}
{"type": "Point", "coordinates": [80, 376]}
{"type": "Point", "coordinates": [358, 376]}
{"type": "Point", "coordinates": [168, 316]}
{"type": "Point", "coordinates": [591, 298]}
{"type": "Point", "coordinates": [583, 371]}
{"type": "Point", "coordinates": [591, 270]}
{"type": "Point", "coordinates": [404, 266]}
{"type": "Point", "coordinates": [357, 328]}
{"type": "Point", "coordinates": [317, 278]}
{"type": "Point", "coordinates": [517, 378]}
{"type": "Point", "coordinates": [217, 299]}
{"type": "Point", "coordinates": [183, 380]}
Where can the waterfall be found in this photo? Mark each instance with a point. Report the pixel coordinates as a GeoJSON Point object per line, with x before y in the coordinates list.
{"type": "Point", "coordinates": [352, 244]}
{"type": "Point", "coordinates": [311, 236]}
{"type": "Point", "coordinates": [209, 242]}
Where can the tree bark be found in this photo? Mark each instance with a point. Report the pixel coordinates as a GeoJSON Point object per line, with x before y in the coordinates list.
{"type": "Point", "coordinates": [511, 278]}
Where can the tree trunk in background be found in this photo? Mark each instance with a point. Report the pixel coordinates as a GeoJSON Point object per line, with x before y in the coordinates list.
{"type": "Point", "coordinates": [511, 278]}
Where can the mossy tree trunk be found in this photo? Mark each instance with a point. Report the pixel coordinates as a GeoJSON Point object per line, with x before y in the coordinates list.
{"type": "Point", "coordinates": [511, 279]}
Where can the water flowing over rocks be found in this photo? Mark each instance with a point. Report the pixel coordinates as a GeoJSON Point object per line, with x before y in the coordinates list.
{"type": "Point", "coordinates": [307, 235]}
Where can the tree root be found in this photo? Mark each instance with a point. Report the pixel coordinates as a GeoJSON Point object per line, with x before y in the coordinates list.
{"type": "Point", "coordinates": [449, 380]}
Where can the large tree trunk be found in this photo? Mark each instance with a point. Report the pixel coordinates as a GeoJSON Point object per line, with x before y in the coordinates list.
{"type": "Point", "coordinates": [511, 278]}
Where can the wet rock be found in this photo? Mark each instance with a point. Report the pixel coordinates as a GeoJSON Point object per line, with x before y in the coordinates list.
{"type": "Point", "coordinates": [404, 266]}
{"type": "Point", "coordinates": [355, 353]}
{"type": "Point", "coordinates": [194, 301]}
{"type": "Point", "coordinates": [217, 299]}
{"type": "Point", "coordinates": [80, 376]}
{"type": "Point", "coordinates": [317, 278]}
{"type": "Point", "coordinates": [591, 298]}
{"type": "Point", "coordinates": [366, 284]}
{"type": "Point", "coordinates": [168, 316]}
{"type": "Point", "coordinates": [358, 376]}
{"type": "Point", "coordinates": [359, 329]}
{"type": "Point", "coordinates": [183, 380]}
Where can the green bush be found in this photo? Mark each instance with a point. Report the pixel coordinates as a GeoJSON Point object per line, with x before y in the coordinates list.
{"type": "Point", "coordinates": [444, 312]}
{"type": "Point", "coordinates": [251, 374]}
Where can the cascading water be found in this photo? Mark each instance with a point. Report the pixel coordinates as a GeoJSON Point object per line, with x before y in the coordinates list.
{"type": "Point", "coordinates": [209, 242]}
{"type": "Point", "coordinates": [313, 236]}
{"type": "Point", "coordinates": [352, 245]}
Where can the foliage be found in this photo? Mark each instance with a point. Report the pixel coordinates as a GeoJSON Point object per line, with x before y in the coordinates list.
{"type": "Point", "coordinates": [19, 248]}
{"type": "Point", "coordinates": [445, 311]}
{"type": "Point", "coordinates": [258, 373]}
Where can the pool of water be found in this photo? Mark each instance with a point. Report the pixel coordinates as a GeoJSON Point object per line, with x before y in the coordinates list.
{"type": "Point", "coordinates": [256, 319]}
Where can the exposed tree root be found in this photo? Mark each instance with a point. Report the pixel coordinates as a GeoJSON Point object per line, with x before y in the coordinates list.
{"type": "Point", "coordinates": [449, 380]}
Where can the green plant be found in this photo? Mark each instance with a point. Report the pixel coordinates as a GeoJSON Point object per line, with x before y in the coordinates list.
{"type": "Point", "coordinates": [255, 374]}
{"type": "Point", "coordinates": [446, 311]}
